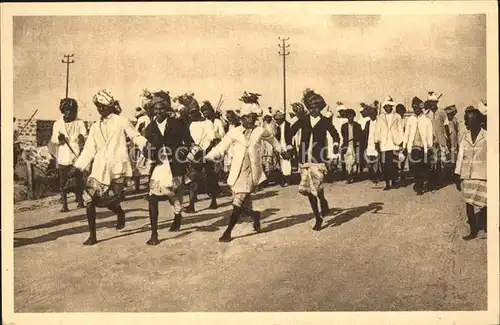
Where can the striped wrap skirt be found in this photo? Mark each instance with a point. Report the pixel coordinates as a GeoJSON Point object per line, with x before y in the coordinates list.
{"type": "Point", "coordinates": [311, 178]}
{"type": "Point", "coordinates": [475, 192]}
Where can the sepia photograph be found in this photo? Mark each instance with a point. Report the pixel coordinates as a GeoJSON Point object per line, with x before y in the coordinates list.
{"type": "Point", "coordinates": [251, 157]}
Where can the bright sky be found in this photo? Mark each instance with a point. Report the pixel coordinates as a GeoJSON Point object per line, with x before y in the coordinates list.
{"type": "Point", "coordinates": [348, 58]}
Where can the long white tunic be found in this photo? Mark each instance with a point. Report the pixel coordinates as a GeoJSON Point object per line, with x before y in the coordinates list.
{"type": "Point", "coordinates": [107, 147]}
{"type": "Point", "coordinates": [71, 131]}
{"type": "Point", "coordinates": [202, 133]}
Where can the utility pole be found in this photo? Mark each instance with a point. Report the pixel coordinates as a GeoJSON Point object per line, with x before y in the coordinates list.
{"type": "Point", "coordinates": [68, 62]}
{"type": "Point", "coordinates": [283, 52]}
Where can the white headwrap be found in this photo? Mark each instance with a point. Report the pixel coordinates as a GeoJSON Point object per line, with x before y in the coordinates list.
{"type": "Point", "coordinates": [249, 108]}
{"type": "Point", "coordinates": [482, 107]}
{"type": "Point", "coordinates": [432, 96]}
{"type": "Point", "coordinates": [104, 97]}
{"type": "Point", "coordinates": [388, 101]}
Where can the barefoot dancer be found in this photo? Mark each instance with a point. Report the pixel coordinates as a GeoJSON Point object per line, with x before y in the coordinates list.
{"type": "Point", "coordinates": [313, 149]}
{"type": "Point", "coordinates": [169, 141]}
{"type": "Point", "coordinates": [246, 166]}
{"type": "Point", "coordinates": [68, 134]}
{"type": "Point", "coordinates": [106, 146]}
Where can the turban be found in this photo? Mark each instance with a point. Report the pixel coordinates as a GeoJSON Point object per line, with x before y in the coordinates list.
{"type": "Point", "coordinates": [482, 107]}
{"type": "Point", "coordinates": [207, 105]}
{"type": "Point", "coordinates": [451, 109]}
{"type": "Point", "coordinates": [187, 100]}
{"type": "Point", "coordinates": [161, 97]}
{"type": "Point", "coordinates": [350, 111]}
{"type": "Point", "coordinates": [417, 102]}
{"type": "Point", "coordinates": [104, 98]}
{"type": "Point", "coordinates": [250, 108]}
{"type": "Point", "coordinates": [68, 103]}
{"type": "Point", "coordinates": [311, 98]}
{"type": "Point", "coordinates": [250, 98]}
{"type": "Point", "coordinates": [432, 96]}
{"type": "Point", "coordinates": [278, 114]}
{"type": "Point", "coordinates": [388, 101]}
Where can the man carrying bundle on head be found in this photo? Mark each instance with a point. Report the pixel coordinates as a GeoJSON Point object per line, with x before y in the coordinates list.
{"type": "Point", "coordinates": [169, 142]}
{"type": "Point", "coordinates": [246, 165]}
{"type": "Point", "coordinates": [106, 148]}
{"type": "Point", "coordinates": [313, 149]}
{"type": "Point", "coordinates": [68, 135]}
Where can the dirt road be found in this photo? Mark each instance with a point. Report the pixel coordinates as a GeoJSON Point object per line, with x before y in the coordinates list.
{"type": "Point", "coordinates": [383, 251]}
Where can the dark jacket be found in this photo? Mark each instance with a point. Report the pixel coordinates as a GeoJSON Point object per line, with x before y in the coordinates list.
{"type": "Point", "coordinates": [176, 136]}
{"type": "Point", "coordinates": [318, 134]}
{"type": "Point", "coordinates": [286, 125]}
{"type": "Point", "coordinates": [356, 133]}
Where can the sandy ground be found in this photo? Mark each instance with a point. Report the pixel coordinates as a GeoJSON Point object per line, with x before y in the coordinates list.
{"type": "Point", "coordinates": [382, 251]}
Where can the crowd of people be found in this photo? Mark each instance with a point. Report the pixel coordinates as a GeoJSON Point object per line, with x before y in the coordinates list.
{"type": "Point", "coordinates": [178, 144]}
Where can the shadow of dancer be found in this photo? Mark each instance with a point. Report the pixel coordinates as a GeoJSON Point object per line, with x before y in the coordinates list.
{"type": "Point", "coordinates": [347, 215]}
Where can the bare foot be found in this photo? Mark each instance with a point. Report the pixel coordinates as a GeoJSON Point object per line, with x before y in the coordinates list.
{"type": "Point", "coordinates": [90, 241]}
{"type": "Point", "coordinates": [64, 209]}
{"type": "Point", "coordinates": [153, 241]}
{"type": "Point", "coordinates": [225, 238]}
{"type": "Point", "coordinates": [319, 223]}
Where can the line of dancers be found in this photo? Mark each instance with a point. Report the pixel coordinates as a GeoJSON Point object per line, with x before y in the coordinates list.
{"type": "Point", "coordinates": [181, 140]}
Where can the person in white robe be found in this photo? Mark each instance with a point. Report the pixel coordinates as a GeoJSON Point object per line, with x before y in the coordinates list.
{"type": "Point", "coordinates": [106, 148]}
{"type": "Point", "coordinates": [283, 129]}
{"type": "Point", "coordinates": [68, 138]}
{"type": "Point", "coordinates": [246, 167]}
{"type": "Point", "coordinates": [203, 134]}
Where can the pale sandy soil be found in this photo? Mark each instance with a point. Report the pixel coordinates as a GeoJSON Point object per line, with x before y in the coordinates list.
{"type": "Point", "coordinates": [379, 251]}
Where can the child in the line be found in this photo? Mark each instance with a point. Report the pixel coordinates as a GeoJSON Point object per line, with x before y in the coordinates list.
{"type": "Point", "coordinates": [471, 171]}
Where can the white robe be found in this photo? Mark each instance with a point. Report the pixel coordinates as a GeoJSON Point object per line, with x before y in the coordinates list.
{"type": "Point", "coordinates": [66, 156]}
{"type": "Point", "coordinates": [107, 147]}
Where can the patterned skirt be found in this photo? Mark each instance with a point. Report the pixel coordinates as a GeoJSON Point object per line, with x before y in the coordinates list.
{"type": "Point", "coordinates": [475, 192]}
{"type": "Point", "coordinates": [163, 184]}
{"type": "Point", "coordinates": [311, 178]}
{"type": "Point", "coordinates": [104, 195]}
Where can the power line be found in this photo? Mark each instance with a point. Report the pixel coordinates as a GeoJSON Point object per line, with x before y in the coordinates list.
{"type": "Point", "coordinates": [284, 52]}
{"type": "Point", "coordinates": [68, 62]}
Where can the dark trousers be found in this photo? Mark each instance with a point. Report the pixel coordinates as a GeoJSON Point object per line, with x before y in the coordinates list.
{"type": "Point", "coordinates": [418, 166]}
{"type": "Point", "coordinates": [389, 166]}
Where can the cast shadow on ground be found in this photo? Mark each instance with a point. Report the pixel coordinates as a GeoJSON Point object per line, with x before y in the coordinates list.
{"type": "Point", "coordinates": [51, 236]}
{"type": "Point", "coordinates": [347, 215]}
{"type": "Point", "coordinates": [67, 220]}
{"type": "Point", "coordinates": [341, 216]}
{"type": "Point", "coordinates": [255, 197]}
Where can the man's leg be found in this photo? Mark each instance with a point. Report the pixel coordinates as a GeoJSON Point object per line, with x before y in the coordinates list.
{"type": "Point", "coordinates": [63, 181]}
{"type": "Point", "coordinates": [212, 184]}
{"type": "Point", "coordinates": [239, 199]}
{"type": "Point", "coordinates": [471, 216]}
{"type": "Point", "coordinates": [176, 202]}
{"type": "Point", "coordinates": [153, 218]}
{"type": "Point", "coordinates": [91, 219]}
{"type": "Point", "coordinates": [79, 188]}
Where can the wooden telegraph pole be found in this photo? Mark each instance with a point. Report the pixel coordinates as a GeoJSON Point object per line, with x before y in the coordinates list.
{"type": "Point", "coordinates": [68, 62]}
{"type": "Point", "coordinates": [283, 52]}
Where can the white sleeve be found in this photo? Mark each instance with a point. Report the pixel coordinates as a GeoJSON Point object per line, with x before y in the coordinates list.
{"type": "Point", "coordinates": [55, 132]}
